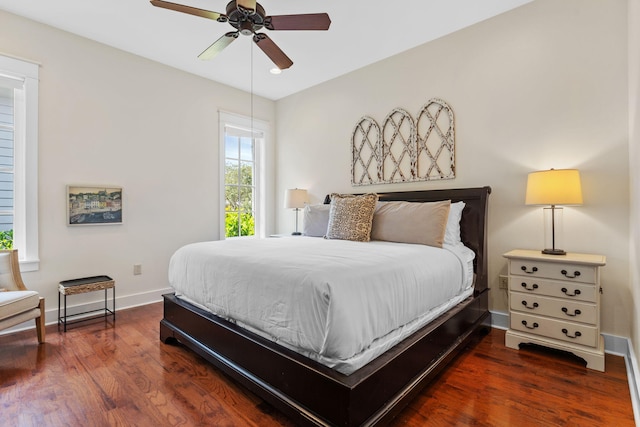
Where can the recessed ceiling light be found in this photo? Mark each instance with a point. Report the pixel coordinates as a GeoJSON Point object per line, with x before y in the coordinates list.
{"type": "Point", "coordinates": [275, 70]}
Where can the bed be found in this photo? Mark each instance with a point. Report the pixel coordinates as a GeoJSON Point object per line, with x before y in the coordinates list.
{"type": "Point", "coordinates": [311, 392]}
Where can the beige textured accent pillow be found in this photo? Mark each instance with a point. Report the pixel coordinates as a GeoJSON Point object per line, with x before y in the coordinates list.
{"type": "Point", "coordinates": [350, 216]}
{"type": "Point", "coordinates": [411, 222]}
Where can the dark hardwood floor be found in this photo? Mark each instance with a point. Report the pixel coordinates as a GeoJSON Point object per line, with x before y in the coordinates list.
{"type": "Point", "coordinates": [98, 374]}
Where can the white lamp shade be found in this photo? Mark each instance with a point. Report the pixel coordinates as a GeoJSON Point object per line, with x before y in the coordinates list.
{"type": "Point", "coordinates": [295, 198]}
{"type": "Point", "coordinates": [554, 187]}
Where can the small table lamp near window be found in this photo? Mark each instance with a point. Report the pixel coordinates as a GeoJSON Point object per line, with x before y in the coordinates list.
{"type": "Point", "coordinates": [295, 198]}
{"type": "Point", "coordinates": [554, 187]}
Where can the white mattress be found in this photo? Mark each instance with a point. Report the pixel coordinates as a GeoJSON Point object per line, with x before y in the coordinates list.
{"type": "Point", "coordinates": [339, 302]}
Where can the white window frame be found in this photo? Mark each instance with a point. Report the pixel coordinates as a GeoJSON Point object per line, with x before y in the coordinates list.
{"type": "Point", "coordinates": [25, 220]}
{"type": "Point", "coordinates": [257, 127]}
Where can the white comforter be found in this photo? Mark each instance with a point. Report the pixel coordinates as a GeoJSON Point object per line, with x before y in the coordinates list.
{"type": "Point", "coordinates": [339, 302]}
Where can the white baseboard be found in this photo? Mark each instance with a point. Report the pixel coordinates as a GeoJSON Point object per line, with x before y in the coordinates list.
{"type": "Point", "coordinates": [618, 346]}
{"type": "Point", "coordinates": [632, 374]}
{"type": "Point", "coordinates": [122, 302]}
{"type": "Point", "coordinates": [499, 320]}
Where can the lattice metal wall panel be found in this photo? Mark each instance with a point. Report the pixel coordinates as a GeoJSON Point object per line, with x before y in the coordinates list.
{"type": "Point", "coordinates": [366, 148]}
{"type": "Point", "coordinates": [405, 150]}
{"type": "Point", "coordinates": [398, 147]}
{"type": "Point", "coordinates": [436, 142]}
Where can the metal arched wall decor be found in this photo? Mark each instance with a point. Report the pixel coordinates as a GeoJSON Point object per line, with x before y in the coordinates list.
{"type": "Point", "coordinates": [398, 147]}
{"type": "Point", "coordinates": [366, 150]}
{"type": "Point", "coordinates": [404, 149]}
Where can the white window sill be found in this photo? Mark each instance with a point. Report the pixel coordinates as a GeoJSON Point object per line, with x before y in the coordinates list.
{"type": "Point", "coordinates": [29, 265]}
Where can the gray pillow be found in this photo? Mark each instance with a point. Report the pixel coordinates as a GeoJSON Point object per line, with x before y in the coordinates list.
{"type": "Point", "coordinates": [315, 220]}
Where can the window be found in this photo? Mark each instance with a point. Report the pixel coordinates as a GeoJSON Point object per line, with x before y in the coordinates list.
{"type": "Point", "coordinates": [242, 143]}
{"type": "Point", "coordinates": [7, 132]}
{"type": "Point", "coordinates": [18, 159]}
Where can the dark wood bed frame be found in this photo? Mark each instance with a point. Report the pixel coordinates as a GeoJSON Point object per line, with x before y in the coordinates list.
{"type": "Point", "coordinates": [312, 394]}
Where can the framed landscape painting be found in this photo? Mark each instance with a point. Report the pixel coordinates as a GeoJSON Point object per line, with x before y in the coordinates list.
{"type": "Point", "coordinates": [94, 205]}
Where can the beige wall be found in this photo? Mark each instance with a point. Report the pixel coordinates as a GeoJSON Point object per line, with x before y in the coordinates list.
{"type": "Point", "coordinates": [541, 86]}
{"type": "Point", "coordinates": [108, 117]}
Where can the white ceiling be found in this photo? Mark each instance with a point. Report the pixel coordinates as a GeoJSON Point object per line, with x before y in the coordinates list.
{"type": "Point", "coordinates": [362, 32]}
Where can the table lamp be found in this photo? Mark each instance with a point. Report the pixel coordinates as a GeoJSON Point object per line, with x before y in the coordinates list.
{"type": "Point", "coordinates": [295, 198]}
{"type": "Point", "coordinates": [554, 187]}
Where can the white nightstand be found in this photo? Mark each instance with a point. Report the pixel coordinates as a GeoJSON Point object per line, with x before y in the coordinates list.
{"type": "Point", "coordinates": [554, 301]}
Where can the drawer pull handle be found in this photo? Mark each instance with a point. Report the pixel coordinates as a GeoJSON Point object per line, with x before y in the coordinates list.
{"type": "Point", "coordinates": [575, 293]}
{"type": "Point", "coordinates": [535, 325]}
{"type": "Point", "coordinates": [575, 274]}
{"type": "Point", "coordinates": [575, 312]}
{"type": "Point", "coordinates": [533, 307]}
{"type": "Point", "coordinates": [533, 270]}
{"type": "Point", "coordinates": [577, 334]}
{"type": "Point", "coordinates": [532, 288]}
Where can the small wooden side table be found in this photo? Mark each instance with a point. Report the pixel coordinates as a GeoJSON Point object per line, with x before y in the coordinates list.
{"type": "Point", "coordinates": [84, 285]}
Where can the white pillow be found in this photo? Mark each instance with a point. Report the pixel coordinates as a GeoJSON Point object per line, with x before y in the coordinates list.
{"type": "Point", "coordinates": [452, 231]}
{"type": "Point", "coordinates": [315, 220]}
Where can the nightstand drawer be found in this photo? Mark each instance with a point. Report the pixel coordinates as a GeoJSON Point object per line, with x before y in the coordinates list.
{"type": "Point", "coordinates": [553, 270]}
{"type": "Point", "coordinates": [559, 308]}
{"type": "Point", "coordinates": [575, 333]}
{"type": "Point", "coordinates": [570, 291]}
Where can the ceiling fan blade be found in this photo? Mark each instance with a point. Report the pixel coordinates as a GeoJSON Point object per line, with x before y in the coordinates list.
{"type": "Point", "coordinates": [190, 10]}
{"type": "Point", "coordinates": [272, 50]}
{"type": "Point", "coordinates": [218, 46]}
{"type": "Point", "coordinates": [249, 5]}
{"type": "Point", "coordinates": [309, 21]}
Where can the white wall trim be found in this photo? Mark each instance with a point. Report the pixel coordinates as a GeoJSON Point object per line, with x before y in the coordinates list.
{"type": "Point", "coordinates": [499, 320]}
{"type": "Point", "coordinates": [122, 303]}
{"type": "Point", "coordinates": [25, 217]}
{"type": "Point", "coordinates": [632, 375]}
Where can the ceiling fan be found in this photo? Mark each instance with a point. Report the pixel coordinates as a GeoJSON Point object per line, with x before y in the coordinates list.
{"type": "Point", "coordinates": [248, 17]}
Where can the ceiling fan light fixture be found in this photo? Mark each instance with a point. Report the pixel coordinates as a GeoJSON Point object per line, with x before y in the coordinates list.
{"type": "Point", "coordinates": [275, 70]}
{"type": "Point", "coordinates": [246, 28]}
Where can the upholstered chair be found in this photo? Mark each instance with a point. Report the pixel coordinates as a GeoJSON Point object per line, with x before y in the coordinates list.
{"type": "Point", "coordinates": [17, 303]}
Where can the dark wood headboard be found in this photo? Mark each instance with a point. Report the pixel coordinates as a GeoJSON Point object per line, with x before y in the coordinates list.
{"type": "Point", "coordinates": [473, 225]}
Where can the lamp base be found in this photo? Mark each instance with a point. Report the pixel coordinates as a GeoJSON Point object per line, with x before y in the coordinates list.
{"type": "Point", "coordinates": [553, 252]}
{"type": "Point", "coordinates": [296, 233]}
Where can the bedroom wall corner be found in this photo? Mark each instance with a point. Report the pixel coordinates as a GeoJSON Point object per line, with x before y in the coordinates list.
{"type": "Point", "coordinates": [634, 179]}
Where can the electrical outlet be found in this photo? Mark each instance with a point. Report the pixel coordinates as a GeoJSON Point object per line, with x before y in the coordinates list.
{"type": "Point", "coordinates": [137, 269]}
{"type": "Point", "coordinates": [503, 282]}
